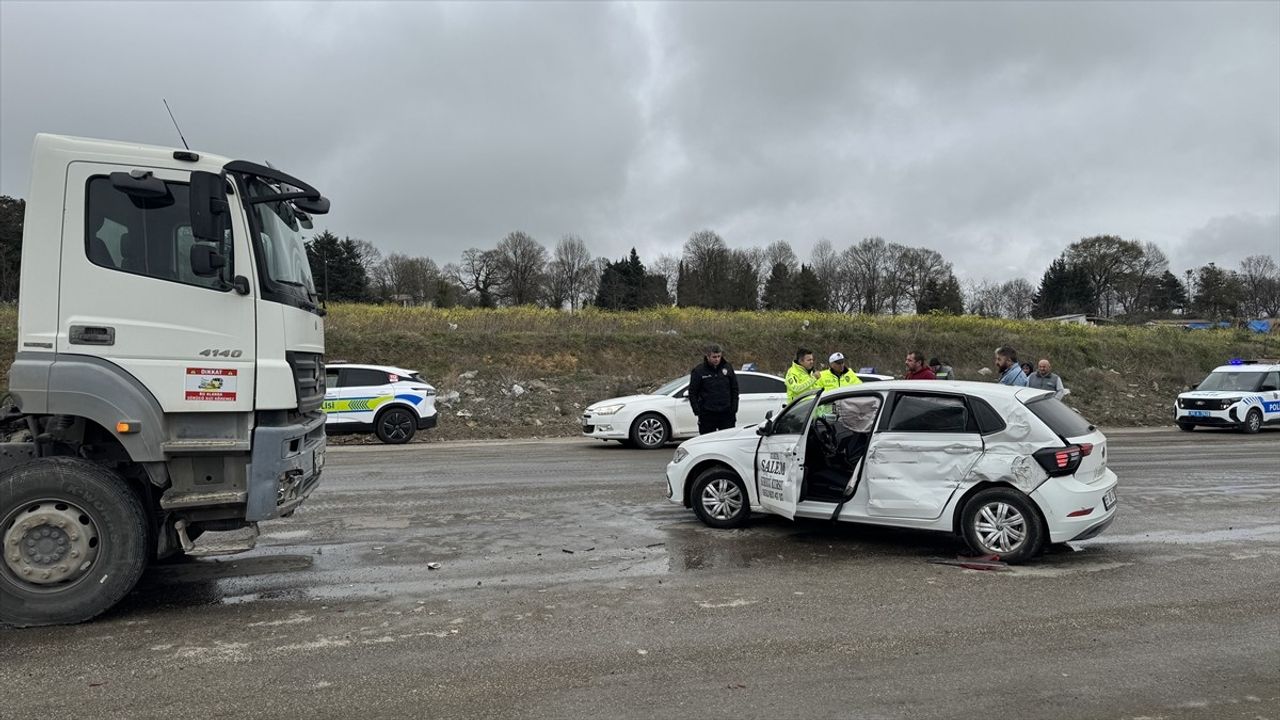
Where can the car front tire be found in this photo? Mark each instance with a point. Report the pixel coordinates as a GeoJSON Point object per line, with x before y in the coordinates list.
{"type": "Point", "coordinates": [650, 431]}
{"type": "Point", "coordinates": [1252, 422]}
{"type": "Point", "coordinates": [1186, 426]}
{"type": "Point", "coordinates": [720, 499]}
{"type": "Point", "coordinates": [1002, 521]}
{"type": "Point", "coordinates": [395, 426]}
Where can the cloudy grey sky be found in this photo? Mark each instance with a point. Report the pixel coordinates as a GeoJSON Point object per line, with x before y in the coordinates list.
{"type": "Point", "coordinates": [996, 133]}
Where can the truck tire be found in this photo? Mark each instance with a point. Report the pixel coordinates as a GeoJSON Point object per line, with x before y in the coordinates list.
{"type": "Point", "coordinates": [74, 541]}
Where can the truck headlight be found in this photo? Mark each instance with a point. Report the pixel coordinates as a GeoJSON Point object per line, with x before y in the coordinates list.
{"type": "Point", "coordinates": [608, 409]}
{"type": "Point", "coordinates": [681, 454]}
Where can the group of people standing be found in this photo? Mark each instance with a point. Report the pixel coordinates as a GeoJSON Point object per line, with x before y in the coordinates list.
{"type": "Point", "coordinates": [713, 386]}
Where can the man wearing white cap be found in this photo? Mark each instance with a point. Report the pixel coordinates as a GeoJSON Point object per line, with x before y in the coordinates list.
{"type": "Point", "coordinates": [838, 375]}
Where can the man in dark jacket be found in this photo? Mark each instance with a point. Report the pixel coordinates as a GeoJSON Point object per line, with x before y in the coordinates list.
{"type": "Point", "coordinates": [713, 392]}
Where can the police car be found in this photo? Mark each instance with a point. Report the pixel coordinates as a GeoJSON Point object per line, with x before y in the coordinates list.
{"type": "Point", "coordinates": [393, 403]}
{"type": "Point", "coordinates": [1244, 394]}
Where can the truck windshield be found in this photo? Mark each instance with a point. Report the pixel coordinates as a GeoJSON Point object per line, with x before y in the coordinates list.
{"type": "Point", "coordinates": [1233, 381]}
{"type": "Point", "coordinates": [281, 237]}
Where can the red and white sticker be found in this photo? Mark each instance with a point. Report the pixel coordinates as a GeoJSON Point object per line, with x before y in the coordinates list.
{"type": "Point", "coordinates": [211, 384]}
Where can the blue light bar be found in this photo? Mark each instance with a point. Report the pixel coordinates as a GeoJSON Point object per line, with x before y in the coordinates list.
{"type": "Point", "coordinates": [1236, 361]}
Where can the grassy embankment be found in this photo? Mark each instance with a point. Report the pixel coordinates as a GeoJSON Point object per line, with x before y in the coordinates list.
{"type": "Point", "coordinates": [1119, 376]}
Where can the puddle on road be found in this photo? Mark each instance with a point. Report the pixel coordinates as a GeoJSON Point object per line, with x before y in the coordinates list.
{"type": "Point", "coordinates": [511, 556]}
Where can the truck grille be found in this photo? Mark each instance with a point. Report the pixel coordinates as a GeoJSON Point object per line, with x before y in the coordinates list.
{"type": "Point", "coordinates": [308, 375]}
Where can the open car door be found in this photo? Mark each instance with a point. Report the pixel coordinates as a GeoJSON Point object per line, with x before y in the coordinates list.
{"type": "Point", "coordinates": [780, 458]}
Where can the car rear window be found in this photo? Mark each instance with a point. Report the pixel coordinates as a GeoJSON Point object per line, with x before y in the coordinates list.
{"type": "Point", "coordinates": [1061, 419]}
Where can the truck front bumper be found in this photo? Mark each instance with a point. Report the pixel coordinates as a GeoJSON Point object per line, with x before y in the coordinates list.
{"type": "Point", "coordinates": [284, 466]}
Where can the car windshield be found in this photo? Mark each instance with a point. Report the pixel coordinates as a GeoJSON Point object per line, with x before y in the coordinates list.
{"type": "Point", "coordinates": [672, 386]}
{"type": "Point", "coordinates": [281, 236]}
{"type": "Point", "coordinates": [1241, 381]}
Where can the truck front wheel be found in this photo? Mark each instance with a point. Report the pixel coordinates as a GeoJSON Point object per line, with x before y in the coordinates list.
{"type": "Point", "coordinates": [73, 538]}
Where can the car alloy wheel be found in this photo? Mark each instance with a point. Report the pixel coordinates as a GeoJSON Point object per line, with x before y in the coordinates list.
{"type": "Point", "coordinates": [721, 499]}
{"type": "Point", "coordinates": [1000, 527]}
{"type": "Point", "coordinates": [395, 426]}
{"type": "Point", "coordinates": [649, 432]}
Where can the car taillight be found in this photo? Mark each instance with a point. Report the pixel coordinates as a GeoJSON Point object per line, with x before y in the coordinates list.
{"type": "Point", "coordinates": [1058, 461]}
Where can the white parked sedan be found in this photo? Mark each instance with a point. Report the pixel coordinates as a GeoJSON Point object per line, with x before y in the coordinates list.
{"type": "Point", "coordinates": [1008, 468]}
{"type": "Point", "coordinates": [393, 403]}
{"type": "Point", "coordinates": [652, 420]}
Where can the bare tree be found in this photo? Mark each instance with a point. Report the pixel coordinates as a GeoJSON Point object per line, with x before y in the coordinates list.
{"type": "Point", "coordinates": [410, 279]}
{"type": "Point", "coordinates": [1018, 296]}
{"type": "Point", "coordinates": [571, 274]}
{"type": "Point", "coordinates": [780, 252]}
{"type": "Point", "coordinates": [1106, 261]}
{"type": "Point", "coordinates": [984, 298]}
{"type": "Point", "coordinates": [865, 275]}
{"type": "Point", "coordinates": [1260, 278]}
{"type": "Point", "coordinates": [668, 266]}
{"type": "Point", "coordinates": [371, 261]}
{"type": "Point", "coordinates": [1135, 288]}
{"type": "Point", "coordinates": [918, 267]}
{"type": "Point", "coordinates": [479, 274]}
{"type": "Point", "coordinates": [825, 263]}
{"type": "Point", "coordinates": [522, 263]}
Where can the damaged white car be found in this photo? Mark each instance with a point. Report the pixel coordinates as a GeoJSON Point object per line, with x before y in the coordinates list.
{"type": "Point", "coordinates": [1007, 468]}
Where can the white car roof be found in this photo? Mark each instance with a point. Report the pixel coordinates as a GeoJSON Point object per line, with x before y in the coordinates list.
{"type": "Point", "coordinates": [381, 368]}
{"type": "Point", "coordinates": [1252, 367]}
{"type": "Point", "coordinates": [994, 393]}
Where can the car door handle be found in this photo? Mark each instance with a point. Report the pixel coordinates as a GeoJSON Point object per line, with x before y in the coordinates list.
{"type": "Point", "coordinates": [92, 335]}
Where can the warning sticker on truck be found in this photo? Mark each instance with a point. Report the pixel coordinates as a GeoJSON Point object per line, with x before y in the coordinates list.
{"type": "Point", "coordinates": [211, 384]}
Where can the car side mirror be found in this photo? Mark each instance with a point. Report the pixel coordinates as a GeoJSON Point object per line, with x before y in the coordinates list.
{"type": "Point", "coordinates": [765, 427]}
{"type": "Point", "coordinates": [1195, 385]}
{"type": "Point", "coordinates": [206, 261]}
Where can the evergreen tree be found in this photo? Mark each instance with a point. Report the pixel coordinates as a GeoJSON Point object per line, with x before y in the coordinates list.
{"type": "Point", "coordinates": [779, 291]}
{"type": "Point", "coordinates": [1064, 289]}
{"type": "Point", "coordinates": [810, 294]}
{"type": "Point", "coordinates": [1218, 293]}
{"type": "Point", "coordinates": [626, 285]}
{"type": "Point", "coordinates": [1169, 295]}
{"type": "Point", "coordinates": [943, 296]}
{"type": "Point", "coordinates": [336, 268]}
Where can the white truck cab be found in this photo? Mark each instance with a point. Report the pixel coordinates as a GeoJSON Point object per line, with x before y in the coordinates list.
{"type": "Point", "coordinates": [1244, 394]}
{"type": "Point", "coordinates": [168, 378]}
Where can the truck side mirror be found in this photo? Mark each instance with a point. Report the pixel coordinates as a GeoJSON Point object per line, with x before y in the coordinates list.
{"type": "Point", "coordinates": [208, 205]}
{"type": "Point", "coordinates": [317, 206]}
{"type": "Point", "coordinates": [206, 261]}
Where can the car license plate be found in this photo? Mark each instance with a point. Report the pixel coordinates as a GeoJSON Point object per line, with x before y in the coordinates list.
{"type": "Point", "coordinates": [1109, 500]}
{"type": "Point", "coordinates": [1198, 413]}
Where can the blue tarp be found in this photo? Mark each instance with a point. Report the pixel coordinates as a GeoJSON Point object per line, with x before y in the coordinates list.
{"type": "Point", "coordinates": [1260, 326]}
{"type": "Point", "coordinates": [1206, 325]}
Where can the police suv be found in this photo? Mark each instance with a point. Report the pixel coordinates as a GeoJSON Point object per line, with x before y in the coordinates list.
{"type": "Point", "coordinates": [1244, 395]}
{"type": "Point", "coordinates": [390, 402]}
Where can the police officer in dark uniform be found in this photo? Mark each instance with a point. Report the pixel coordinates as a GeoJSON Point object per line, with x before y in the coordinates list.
{"type": "Point", "coordinates": [713, 392]}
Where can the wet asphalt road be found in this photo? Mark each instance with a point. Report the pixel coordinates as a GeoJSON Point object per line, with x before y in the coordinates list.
{"type": "Point", "coordinates": [1174, 613]}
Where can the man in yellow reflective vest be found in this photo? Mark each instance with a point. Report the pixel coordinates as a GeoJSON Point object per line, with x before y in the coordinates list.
{"type": "Point", "coordinates": [838, 375]}
{"type": "Point", "coordinates": [801, 377]}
